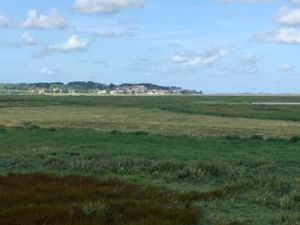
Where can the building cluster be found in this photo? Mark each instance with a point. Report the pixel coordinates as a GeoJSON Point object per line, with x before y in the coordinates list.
{"type": "Point", "coordinates": [75, 88]}
{"type": "Point", "coordinates": [140, 90]}
{"type": "Point", "coordinates": [118, 90]}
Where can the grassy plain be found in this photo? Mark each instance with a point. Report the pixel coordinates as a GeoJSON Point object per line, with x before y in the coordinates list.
{"type": "Point", "coordinates": [180, 115]}
{"type": "Point", "coordinates": [234, 162]}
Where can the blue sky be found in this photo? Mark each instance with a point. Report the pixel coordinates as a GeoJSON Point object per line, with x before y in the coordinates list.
{"type": "Point", "coordinates": [218, 46]}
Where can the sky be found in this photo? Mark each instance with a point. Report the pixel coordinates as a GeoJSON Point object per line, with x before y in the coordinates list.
{"type": "Point", "coordinates": [217, 46]}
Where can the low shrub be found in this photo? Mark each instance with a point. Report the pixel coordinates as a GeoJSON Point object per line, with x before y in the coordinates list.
{"type": "Point", "coordinates": [141, 133]}
{"type": "Point", "coordinates": [30, 126]}
{"type": "Point", "coordinates": [216, 168]}
{"type": "Point", "coordinates": [295, 139]}
{"type": "Point", "coordinates": [232, 137]}
{"type": "Point", "coordinates": [51, 129]}
{"type": "Point", "coordinates": [256, 137]}
{"type": "Point", "coordinates": [273, 139]}
{"type": "Point", "coordinates": [115, 132]}
{"type": "Point", "coordinates": [2, 128]}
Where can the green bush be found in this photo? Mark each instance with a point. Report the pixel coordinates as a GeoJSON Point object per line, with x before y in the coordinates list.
{"type": "Point", "coordinates": [295, 139]}
{"type": "Point", "coordinates": [141, 133]}
{"type": "Point", "coordinates": [51, 129]}
{"type": "Point", "coordinates": [232, 137]}
{"type": "Point", "coordinates": [273, 139]}
{"type": "Point", "coordinates": [256, 137]}
{"type": "Point", "coordinates": [30, 127]}
{"type": "Point", "coordinates": [115, 132]}
{"type": "Point", "coordinates": [2, 128]}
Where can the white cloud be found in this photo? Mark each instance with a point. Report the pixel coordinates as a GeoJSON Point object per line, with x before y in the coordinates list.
{"type": "Point", "coordinates": [178, 58]}
{"type": "Point", "coordinates": [106, 6]}
{"type": "Point", "coordinates": [286, 67]}
{"type": "Point", "coordinates": [190, 60]}
{"type": "Point", "coordinates": [117, 34]}
{"type": "Point", "coordinates": [288, 16]}
{"type": "Point", "coordinates": [4, 22]}
{"type": "Point", "coordinates": [28, 39]}
{"type": "Point", "coordinates": [281, 36]}
{"type": "Point", "coordinates": [249, 57]}
{"type": "Point", "coordinates": [74, 43]}
{"type": "Point", "coordinates": [250, 64]}
{"type": "Point", "coordinates": [51, 21]}
{"type": "Point", "coordinates": [47, 72]}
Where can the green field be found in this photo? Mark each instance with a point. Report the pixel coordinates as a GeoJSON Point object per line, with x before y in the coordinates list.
{"type": "Point", "coordinates": [244, 158]}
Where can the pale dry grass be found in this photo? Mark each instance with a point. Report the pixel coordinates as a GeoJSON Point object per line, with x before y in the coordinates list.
{"type": "Point", "coordinates": [151, 120]}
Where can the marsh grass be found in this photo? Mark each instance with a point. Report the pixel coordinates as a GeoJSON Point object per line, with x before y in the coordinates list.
{"type": "Point", "coordinates": [40, 199]}
{"type": "Point", "coordinates": [149, 120]}
{"type": "Point", "coordinates": [239, 163]}
{"type": "Point", "coordinates": [225, 106]}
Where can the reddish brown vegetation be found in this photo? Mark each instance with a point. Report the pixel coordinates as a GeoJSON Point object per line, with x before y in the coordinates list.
{"type": "Point", "coordinates": [41, 199]}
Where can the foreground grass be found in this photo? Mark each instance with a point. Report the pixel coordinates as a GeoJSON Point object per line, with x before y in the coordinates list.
{"type": "Point", "coordinates": [234, 180]}
{"type": "Point", "coordinates": [46, 199]}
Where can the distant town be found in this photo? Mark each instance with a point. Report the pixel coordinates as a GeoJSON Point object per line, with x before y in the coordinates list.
{"type": "Point", "coordinates": [80, 87]}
